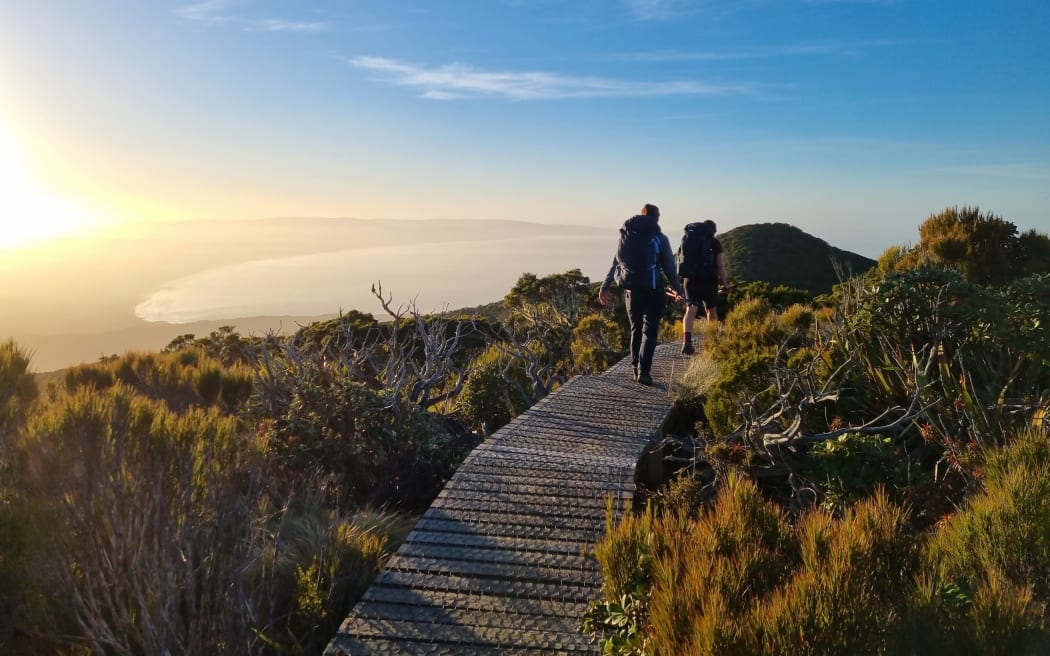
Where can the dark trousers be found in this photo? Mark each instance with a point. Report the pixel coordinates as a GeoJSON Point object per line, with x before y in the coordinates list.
{"type": "Point", "coordinates": [644, 309]}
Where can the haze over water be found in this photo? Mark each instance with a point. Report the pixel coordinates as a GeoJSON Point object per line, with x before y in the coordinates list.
{"type": "Point", "coordinates": [76, 300]}
{"type": "Point", "coordinates": [435, 276]}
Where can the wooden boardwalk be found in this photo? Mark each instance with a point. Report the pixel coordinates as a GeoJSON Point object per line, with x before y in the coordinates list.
{"type": "Point", "coordinates": [500, 562]}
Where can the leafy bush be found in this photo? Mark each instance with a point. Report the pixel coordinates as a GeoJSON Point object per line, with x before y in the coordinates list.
{"type": "Point", "coordinates": [365, 446]}
{"type": "Point", "coordinates": [850, 468]}
{"type": "Point", "coordinates": [596, 344]}
{"type": "Point", "coordinates": [778, 296]}
{"type": "Point", "coordinates": [494, 392]}
{"type": "Point", "coordinates": [978, 356]}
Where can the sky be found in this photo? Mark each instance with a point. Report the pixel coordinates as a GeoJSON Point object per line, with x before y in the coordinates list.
{"type": "Point", "coordinates": [852, 119]}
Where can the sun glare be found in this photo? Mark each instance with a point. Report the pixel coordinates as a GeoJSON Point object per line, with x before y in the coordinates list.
{"type": "Point", "coordinates": [29, 213]}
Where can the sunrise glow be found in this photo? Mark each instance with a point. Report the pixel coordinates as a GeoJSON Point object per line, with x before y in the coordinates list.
{"type": "Point", "coordinates": [29, 212]}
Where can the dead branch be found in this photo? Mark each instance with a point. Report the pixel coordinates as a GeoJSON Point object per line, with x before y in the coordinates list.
{"type": "Point", "coordinates": [418, 368]}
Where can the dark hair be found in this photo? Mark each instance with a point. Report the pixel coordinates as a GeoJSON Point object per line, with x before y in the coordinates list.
{"type": "Point", "coordinates": [711, 223]}
{"type": "Point", "coordinates": [650, 210]}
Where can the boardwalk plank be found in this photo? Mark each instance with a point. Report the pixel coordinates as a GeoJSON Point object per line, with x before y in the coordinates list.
{"type": "Point", "coordinates": [500, 563]}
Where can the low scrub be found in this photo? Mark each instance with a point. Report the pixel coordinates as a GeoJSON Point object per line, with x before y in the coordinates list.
{"type": "Point", "coordinates": [135, 529]}
{"type": "Point", "coordinates": [741, 579]}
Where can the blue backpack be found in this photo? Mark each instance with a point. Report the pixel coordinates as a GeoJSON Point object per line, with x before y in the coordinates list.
{"type": "Point", "coordinates": [638, 253]}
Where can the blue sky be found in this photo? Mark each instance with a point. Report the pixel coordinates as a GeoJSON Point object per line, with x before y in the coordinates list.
{"type": "Point", "coordinates": [852, 119]}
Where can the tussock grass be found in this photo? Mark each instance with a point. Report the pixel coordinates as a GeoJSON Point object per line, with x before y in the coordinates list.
{"type": "Point", "coordinates": [739, 579]}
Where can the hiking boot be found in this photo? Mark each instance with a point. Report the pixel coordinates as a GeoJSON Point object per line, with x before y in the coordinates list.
{"type": "Point", "coordinates": [687, 348]}
{"type": "Point", "coordinates": [636, 372]}
{"type": "Point", "coordinates": [645, 379]}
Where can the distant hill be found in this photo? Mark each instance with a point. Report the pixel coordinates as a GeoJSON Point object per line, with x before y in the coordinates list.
{"type": "Point", "coordinates": [785, 255]}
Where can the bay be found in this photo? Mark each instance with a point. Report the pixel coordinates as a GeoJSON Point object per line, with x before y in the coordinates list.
{"type": "Point", "coordinates": [433, 276]}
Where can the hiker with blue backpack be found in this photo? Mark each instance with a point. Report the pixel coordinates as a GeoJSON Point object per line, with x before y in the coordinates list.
{"type": "Point", "coordinates": [643, 261]}
{"type": "Point", "coordinates": [702, 268]}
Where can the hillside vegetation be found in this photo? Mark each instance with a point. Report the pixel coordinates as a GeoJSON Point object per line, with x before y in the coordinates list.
{"type": "Point", "coordinates": [869, 477]}
{"type": "Point", "coordinates": [864, 476]}
{"type": "Point", "coordinates": [782, 254]}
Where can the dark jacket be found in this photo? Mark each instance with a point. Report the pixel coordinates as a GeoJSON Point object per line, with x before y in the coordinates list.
{"type": "Point", "coordinates": [665, 261]}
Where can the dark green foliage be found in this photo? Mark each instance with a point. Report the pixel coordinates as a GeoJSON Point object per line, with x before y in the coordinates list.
{"type": "Point", "coordinates": [781, 254]}
{"type": "Point", "coordinates": [492, 394]}
{"type": "Point", "coordinates": [541, 316]}
{"type": "Point", "coordinates": [365, 447]}
{"type": "Point", "coordinates": [849, 468]}
{"type": "Point", "coordinates": [780, 297]}
{"type": "Point", "coordinates": [564, 294]}
{"type": "Point", "coordinates": [350, 330]}
{"type": "Point", "coordinates": [987, 348]}
{"type": "Point", "coordinates": [224, 344]}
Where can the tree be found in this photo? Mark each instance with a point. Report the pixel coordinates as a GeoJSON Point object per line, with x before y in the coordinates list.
{"type": "Point", "coordinates": [543, 313]}
{"type": "Point", "coordinates": [983, 247]}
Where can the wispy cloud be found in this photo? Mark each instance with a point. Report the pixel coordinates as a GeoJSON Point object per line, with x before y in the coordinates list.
{"type": "Point", "coordinates": [218, 11]}
{"type": "Point", "coordinates": [277, 25]}
{"type": "Point", "coordinates": [457, 81]}
{"type": "Point", "coordinates": [209, 11]}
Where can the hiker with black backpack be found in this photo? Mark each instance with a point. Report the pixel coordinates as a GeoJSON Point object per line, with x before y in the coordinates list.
{"type": "Point", "coordinates": [643, 261]}
{"type": "Point", "coordinates": [702, 268]}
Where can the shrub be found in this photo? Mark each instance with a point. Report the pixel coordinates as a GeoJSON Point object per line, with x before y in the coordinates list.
{"type": "Point", "coordinates": [849, 468]}
{"type": "Point", "coordinates": [778, 296]}
{"type": "Point", "coordinates": [146, 531]}
{"type": "Point", "coordinates": [17, 386]}
{"type": "Point", "coordinates": [707, 573]}
{"type": "Point", "coordinates": [1006, 528]}
{"type": "Point", "coordinates": [307, 568]}
{"type": "Point", "coordinates": [488, 398]}
{"type": "Point", "coordinates": [746, 351]}
{"type": "Point", "coordinates": [625, 555]}
{"type": "Point", "coordinates": [180, 378]}
{"type": "Point", "coordinates": [846, 596]}
{"type": "Point", "coordinates": [366, 447]}
{"type": "Point", "coordinates": [596, 344]}
{"type": "Point", "coordinates": [144, 511]}
{"type": "Point", "coordinates": [988, 351]}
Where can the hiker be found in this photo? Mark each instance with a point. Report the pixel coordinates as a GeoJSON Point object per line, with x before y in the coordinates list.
{"type": "Point", "coordinates": [702, 268]}
{"type": "Point", "coordinates": [643, 260]}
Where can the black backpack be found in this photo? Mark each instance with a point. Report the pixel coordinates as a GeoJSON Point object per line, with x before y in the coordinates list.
{"type": "Point", "coordinates": [638, 253]}
{"type": "Point", "coordinates": [696, 255]}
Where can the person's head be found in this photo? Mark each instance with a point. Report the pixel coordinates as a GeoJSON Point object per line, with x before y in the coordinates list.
{"type": "Point", "coordinates": [651, 210]}
{"type": "Point", "coordinates": [711, 224]}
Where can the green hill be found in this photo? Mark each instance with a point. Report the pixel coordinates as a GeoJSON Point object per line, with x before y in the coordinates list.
{"type": "Point", "coordinates": [785, 255]}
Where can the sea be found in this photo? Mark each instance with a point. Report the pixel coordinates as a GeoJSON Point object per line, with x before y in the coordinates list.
{"type": "Point", "coordinates": [429, 277]}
